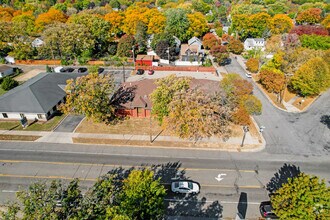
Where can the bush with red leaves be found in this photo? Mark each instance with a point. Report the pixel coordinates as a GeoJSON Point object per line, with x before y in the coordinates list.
{"type": "Point", "coordinates": [309, 30]}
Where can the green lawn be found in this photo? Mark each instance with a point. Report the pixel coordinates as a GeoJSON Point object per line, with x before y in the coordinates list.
{"type": "Point", "coordinates": [38, 126]}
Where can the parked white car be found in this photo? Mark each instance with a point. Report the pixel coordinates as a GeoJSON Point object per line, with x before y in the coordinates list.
{"type": "Point", "coordinates": [248, 75]}
{"type": "Point", "coordinates": [58, 69]}
{"type": "Point", "coordinates": [185, 187]}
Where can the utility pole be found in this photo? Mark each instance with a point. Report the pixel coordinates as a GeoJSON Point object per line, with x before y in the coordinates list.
{"type": "Point", "coordinates": [245, 129]}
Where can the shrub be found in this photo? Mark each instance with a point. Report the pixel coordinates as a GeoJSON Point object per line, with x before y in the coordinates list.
{"type": "Point", "coordinates": [316, 42]}
{"type": "Point", "coordinates": [8, 83]}
{"type": "Point", "coordinates": [309, 29]}
{"type": "Point", "coordinates": [252, 65]}
{"type": "Point", "coordinates": [235, 46]}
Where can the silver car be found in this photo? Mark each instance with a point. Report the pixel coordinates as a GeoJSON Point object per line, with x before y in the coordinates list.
{"type": "Point", "coordinates": [185, 187]}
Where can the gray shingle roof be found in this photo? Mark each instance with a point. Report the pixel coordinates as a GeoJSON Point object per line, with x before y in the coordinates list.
{"type": "Point", "coordinates": [38, 95]}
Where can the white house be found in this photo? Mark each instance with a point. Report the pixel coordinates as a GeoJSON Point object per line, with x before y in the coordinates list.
{"type": "Point", "coordinates": [6, 70]}
{"type": "Point", "coordinates": [37, 42]}
{"type": "Point", "coordinates": [196, 41]}
{"type": "Point", "coordinates": [254, 43]}
{"type": "Point", "coordinates": [38, 98]}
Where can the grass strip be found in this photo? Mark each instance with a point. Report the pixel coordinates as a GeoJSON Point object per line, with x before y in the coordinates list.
{"type": "Point", "coordinates": [9, 137]}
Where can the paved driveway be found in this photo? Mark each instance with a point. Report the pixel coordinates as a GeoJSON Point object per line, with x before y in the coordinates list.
{"type": "Point", "coordinates": [69, 123]}
{"type": "Point", "coordinates": [292, 133]}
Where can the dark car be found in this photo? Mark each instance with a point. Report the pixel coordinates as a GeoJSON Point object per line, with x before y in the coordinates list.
{"type": "Point", "coordinates": [82, 70]}
{"type": "Point", "coordinates": [225, 62]}
{"type": "Point", "coordinates": [67, 70]}
{"type": "Point", "coordinates": [139, 72]}
{"type": "Point", "coordinates": [266, 210]}
{"type": "Point", "coordinates": [100, 70]}
{"type": "Point", "coordinates": [151, 72]}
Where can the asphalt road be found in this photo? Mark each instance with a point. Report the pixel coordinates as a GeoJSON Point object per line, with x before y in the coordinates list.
{"type": "Point", "coordinates": [244, 175]}
{"type": "Point", "coordinates": [306, 133]}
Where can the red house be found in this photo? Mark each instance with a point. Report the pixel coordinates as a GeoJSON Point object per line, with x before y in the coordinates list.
{"type": "Point", "coordinates": [144, 60]}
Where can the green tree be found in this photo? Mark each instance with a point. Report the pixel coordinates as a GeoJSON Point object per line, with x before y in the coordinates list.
{"type": "Point", "coordinates": [177, 23]}
{"type": "Point", "coordinates": [90, 95]}
{"type": "Point", "coordinates": [316, 42]}
{"type": "Point", "coordinates": [303, 197]}
{"type": "Point", "coordinates": [8, 83]}
{"type": "Point", "coordinates": [195, 114]}
{"type": "Point", "coordinates": [252, 104]}
{"type": "Point", "coordinates": [40, 201]}
{"type": "Point", "coordinates": [162, 96]}
{"type": "Point", "coordinates": [98, 28]}
{"type": "Point", "coordinates": [142, 196]}
{"type": "Point", "coordinates": [312, 77]}
{"type": "Point", "coordinates": [66, 41]}
{"type": "Point", "coordinates": [11, 213]}
{"type": "Point", "coordinates": [125, 45]}
{"type": "Point", "coordinates": [141, 37]}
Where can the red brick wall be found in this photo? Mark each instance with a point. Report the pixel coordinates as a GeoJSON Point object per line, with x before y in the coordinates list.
{"type": "Point", "coordinates": [179, 68]}
{"type": "Point", "coordinates": [134, 113]}
{"type": "Point", "coordinates": [143, 62]}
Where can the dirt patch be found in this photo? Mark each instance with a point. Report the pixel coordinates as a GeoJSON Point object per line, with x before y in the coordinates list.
{"type": "Point", "coordinates": [301, 103]}
{"type": "Point", "coordinates": [288, 95]}
{"type": "Point", "coordinates": [137, 126]}
{"type": "Point", "coordinates": [29, 75]}
{"type": "Point", "coordinates": [141, 126]}
{"type": "Point", "coordinates": [5, 137]}
{"type": "Point", "coordinates": [171, 144]}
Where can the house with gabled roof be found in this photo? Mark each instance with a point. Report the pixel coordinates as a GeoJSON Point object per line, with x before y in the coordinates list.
{"type": "Point", "coordinates": [38, 98]}
{"type": "Point", "coordinates": [195, 41]}
{"type": "Point", "coordinates": [254, 43]}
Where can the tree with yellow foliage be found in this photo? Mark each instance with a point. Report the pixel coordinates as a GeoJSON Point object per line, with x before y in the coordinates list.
{"type": "Point", "coordinates": [133, 15]}
{"type": "Point", "coordinates": [280, 24]}
{"type": "Point", "coordinates": [197, 25]}
{"type": "Point", "coordinates": [115, 19]}
{"type": "Point", "coordinates": [156, 21]}
{"type": "Point", "coordinates": [6, 13]}
{"type": "Point", "coordinates": [50, 17]}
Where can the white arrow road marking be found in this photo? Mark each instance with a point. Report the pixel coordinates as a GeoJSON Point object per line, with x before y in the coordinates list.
{"type": "Point", "coordinates": [219, 177]}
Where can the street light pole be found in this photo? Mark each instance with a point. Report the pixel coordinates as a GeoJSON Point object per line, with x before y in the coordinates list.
{"type": "Point", "coordinates": [245, 129]}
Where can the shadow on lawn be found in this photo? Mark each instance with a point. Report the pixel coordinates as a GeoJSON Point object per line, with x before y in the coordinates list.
{"type": "Point", "coordinates": [281, 177]}
{"type": "Point", "coordinates": [175, 204]}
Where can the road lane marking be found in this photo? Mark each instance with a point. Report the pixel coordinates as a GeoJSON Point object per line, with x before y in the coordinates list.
{"type": "Point", "coordinates": [9, 191]}
{"type": "Point", "coordinates": [116, 165]}
{"type": "Point", "coordinates": [94, 180]}
{"type": "Point", "coordinates": [219, 177]}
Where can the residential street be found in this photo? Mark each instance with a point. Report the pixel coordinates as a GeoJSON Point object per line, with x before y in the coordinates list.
{"type": "Point", "coordinates": [23, 163]}
{"type": "Point", "coordinates": [292, 133]}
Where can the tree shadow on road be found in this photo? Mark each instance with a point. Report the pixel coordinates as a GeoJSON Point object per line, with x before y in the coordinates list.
{"type": "Point", "coordinates": [175, 204]}
{"type": "Point", "coordinates": [242, 205]}
{"type": "Point", "coordinates": [325, 119]}
{"type": "Point", "coordinates": [281, 177]}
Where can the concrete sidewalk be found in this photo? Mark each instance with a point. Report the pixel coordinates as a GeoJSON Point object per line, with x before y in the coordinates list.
{"type": "Point", "coordinates": [232, 144]}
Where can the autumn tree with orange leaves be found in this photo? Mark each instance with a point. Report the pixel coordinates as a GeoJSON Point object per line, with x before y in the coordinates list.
{"type": "Point", "coordinates": [210, 40]}
{"type": "Point", "coordinates": [309, 16]}
{"type": "Point", "coordinates": [50, 17]}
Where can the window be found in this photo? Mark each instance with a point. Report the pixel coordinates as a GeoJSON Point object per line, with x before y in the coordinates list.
{"type": "Point", "coordinates": [139, 111]}
{"type": "Point", "coordinates": [22, 115]}
{"type": "Point", "coordinates": [39, 116]}
{"type": "Point", "coordinates": [5, 115]}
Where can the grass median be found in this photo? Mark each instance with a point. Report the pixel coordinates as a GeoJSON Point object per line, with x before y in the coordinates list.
{"type": "Point", "coordinates": [8, 137]}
